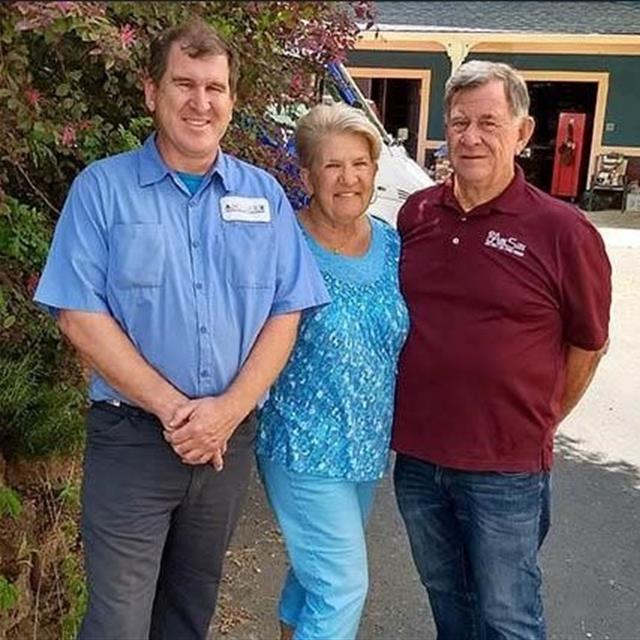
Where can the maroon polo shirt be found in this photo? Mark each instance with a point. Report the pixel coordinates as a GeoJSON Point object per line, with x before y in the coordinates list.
{"type": "Point", "coordinates": [495, 295]}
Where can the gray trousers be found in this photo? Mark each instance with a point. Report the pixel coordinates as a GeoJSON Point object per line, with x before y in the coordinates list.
{"type": "Point", "coordinates": [155, 530]}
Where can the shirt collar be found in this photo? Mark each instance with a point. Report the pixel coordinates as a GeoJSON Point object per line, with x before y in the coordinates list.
{"type": "Point", "coordinates": [509, 201]}
{"type": "Point", "coordinates": [152, 168]}
{"type": "Point", "coordinates": [225, 169]}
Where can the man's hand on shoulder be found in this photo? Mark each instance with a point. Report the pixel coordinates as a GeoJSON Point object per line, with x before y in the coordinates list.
{"type": "Point", "coordinates": [200, 429]}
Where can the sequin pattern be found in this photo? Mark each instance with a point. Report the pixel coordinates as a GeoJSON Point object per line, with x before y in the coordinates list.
{"type": "Point", "coordinates": [331, 409]}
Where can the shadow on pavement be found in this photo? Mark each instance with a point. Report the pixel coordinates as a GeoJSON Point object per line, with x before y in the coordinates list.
{"type": "Point", "coordinates": [592, 557]}
{"type": "Point", "coordinates": [591, 561]}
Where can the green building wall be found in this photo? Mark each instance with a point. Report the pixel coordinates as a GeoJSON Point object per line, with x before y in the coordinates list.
{"type": "Point", "coordinates": [623, 101]}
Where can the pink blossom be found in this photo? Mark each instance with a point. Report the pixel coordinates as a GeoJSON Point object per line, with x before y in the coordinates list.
{"type": "Point", "coordinates": [68, 137]}
{"type": "Point", "coordinates": [32, 283]}
{"type": "Point", "coordinates": [64, 7]}
{"type": "Point", "coordinates": [296, 83]}
{"type": "Point", "coordinates": [32, 95]}
{"type": "Point", "coordinates": [127, 35]}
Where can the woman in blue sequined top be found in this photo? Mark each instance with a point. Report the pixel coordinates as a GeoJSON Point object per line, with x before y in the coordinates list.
{"type": "Point", "coordinates": [323, 441]}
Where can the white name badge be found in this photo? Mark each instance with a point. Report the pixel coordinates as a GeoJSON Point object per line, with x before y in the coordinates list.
{"type": "Point", "coordinates": [245, 209]}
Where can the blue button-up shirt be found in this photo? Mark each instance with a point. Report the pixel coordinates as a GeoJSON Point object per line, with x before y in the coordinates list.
{"type": "Point", "coordinates": [190, 284]}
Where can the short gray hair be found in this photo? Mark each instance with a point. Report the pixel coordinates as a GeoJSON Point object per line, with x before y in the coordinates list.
{"type": "Point", "coordinates": [330, 119]}
{"type": "Point", "coordinates": [477, 73]}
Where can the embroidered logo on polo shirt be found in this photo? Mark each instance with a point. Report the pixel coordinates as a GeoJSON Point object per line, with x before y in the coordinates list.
{"type": "Point", "coordinates": [510, 245]}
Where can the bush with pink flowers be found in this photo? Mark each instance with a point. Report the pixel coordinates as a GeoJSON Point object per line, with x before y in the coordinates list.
{"type": "Point", "coordinates": [70, 92]}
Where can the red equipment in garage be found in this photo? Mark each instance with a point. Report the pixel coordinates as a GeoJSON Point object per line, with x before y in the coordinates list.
{"type": "Point", "coordinates": [568, 154]}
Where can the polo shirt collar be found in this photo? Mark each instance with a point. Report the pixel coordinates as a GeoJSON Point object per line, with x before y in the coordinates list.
{"type": "Point", "coordinates": [509, 201]}
{"type": "Point", "coordinates": [152, 168]}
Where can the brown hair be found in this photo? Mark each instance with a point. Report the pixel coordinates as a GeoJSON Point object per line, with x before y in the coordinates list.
{"type": "Point", "coordinates": [198, 40]}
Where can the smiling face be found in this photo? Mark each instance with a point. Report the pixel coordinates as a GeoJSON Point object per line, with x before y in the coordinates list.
{"type": "Point", "coordinates": [484, 137]}
{"type": "Point", "coordinates": [192, 105]}
{"type": "Point", "coordinates": [341, 177]}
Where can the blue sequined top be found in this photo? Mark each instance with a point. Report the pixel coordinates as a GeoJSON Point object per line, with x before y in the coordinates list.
{"type": "Point", "coordinates": [330, 411]}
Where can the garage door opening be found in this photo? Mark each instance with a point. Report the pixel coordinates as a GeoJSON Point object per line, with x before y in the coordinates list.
{"type": "Point", "coordinates": [548, 100]}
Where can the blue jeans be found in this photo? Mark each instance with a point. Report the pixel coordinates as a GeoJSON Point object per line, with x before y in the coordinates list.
{"type": "Point", "coordinates": [323, 524]}
{"type": "Point", "coordinates": [475, 538]}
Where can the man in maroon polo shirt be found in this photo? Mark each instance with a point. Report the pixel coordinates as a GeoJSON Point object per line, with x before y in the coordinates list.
{"type": "Point", "coordinates": [508, 292]}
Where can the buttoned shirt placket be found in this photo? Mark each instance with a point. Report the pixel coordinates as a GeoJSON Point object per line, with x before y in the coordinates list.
{"type": "Point", "coordinates": [457, 229]}
{"type": "Point", "coordinates": [202, 320]}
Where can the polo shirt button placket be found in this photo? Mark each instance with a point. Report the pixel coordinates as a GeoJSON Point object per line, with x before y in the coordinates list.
{"type": "Point", "coordinates": [455, 240]}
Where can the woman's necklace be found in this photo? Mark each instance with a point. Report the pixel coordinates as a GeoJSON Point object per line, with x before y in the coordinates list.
{"type": "Point", "coordinates": [338, 250]}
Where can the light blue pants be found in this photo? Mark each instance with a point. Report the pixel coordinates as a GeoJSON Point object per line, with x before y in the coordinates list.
{"type": "Point", "coordinates": [323, 523]}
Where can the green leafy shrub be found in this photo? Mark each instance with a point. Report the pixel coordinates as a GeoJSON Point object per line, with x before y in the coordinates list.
{"type": "Point", "coordinates": [76, 592]}
{"type": "Point", "coordinates": [10, 503]}
{"type": "Point", "coordinates": [8, 594]}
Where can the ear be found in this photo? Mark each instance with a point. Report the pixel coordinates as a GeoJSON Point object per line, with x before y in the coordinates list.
{"type": "Point", "coordinates": [525, 131]}
{"type": "Point", "coordinates": [150, 92]}
{"type": "Point", "coordinates": [305, 174]}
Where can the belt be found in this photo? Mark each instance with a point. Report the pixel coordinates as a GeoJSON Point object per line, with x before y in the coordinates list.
{"type": "Point", "coordinates": [116, 406]}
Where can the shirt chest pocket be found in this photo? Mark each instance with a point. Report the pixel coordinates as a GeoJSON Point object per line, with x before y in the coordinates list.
{"type": "Point", "coordinates": [137, 255]}
{"type": "Point", "coordinates": [250, 259]}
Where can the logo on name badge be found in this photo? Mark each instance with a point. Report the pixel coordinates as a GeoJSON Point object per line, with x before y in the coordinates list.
{"type": "Point", "coordinates": [510, 245]}
{"type": "Point", "coordinates": [243, 209]}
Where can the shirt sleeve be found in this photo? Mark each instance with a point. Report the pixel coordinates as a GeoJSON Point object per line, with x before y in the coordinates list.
{"type": "Point", "coordinates": [74, 276]}
{"type": "Point", "coordinates": [586, 289]}
{"type": "Point", "coordinates": [299, 284]}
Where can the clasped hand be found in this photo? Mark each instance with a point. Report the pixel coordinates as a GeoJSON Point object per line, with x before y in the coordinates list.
{"type": "Point", "coordinates": [200, 429]}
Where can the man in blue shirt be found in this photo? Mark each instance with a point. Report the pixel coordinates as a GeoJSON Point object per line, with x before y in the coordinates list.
{"type": "Point", "coordinates": [179, 273]}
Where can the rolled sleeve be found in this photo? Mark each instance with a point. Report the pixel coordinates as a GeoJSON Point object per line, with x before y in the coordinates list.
{"type": "Point", "coordinates": [586, 290]}
{"type": "Point", "coordinates": [299, 284]}
{"type": "Point", "coordinates": [74, 276]}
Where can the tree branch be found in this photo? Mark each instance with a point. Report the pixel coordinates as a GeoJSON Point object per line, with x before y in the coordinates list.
{"type": "Point", "coordinates": [35, 188]}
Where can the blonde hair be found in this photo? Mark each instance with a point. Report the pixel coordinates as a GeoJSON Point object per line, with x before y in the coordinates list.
{"type": "Point", "coordinates": [330, 119]}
